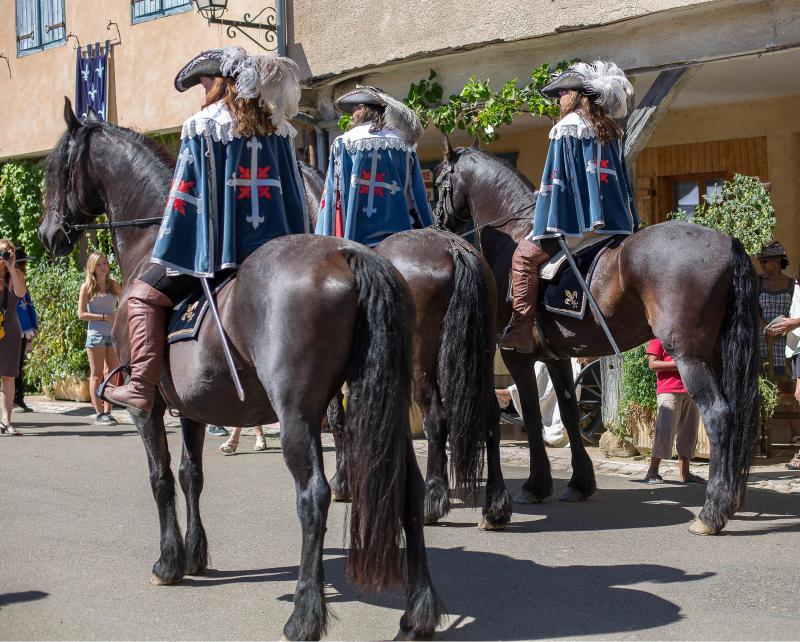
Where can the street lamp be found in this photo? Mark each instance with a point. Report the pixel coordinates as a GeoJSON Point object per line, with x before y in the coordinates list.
{"type": "Point", "coordinates": [212, 10]}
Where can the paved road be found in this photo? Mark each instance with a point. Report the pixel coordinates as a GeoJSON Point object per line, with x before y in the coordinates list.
{"type": "Point", "coordinates": [79, 535]}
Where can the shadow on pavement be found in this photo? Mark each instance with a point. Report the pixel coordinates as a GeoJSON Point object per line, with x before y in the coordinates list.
{"type": "Point", "coordinates": [21, 596]}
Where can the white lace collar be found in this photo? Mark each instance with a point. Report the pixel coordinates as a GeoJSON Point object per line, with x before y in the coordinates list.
{"type": "Point", "coordinates": [360, 138]}
{"type": "Point", "coordinates": [574, 125]}
{"type": "Point", "coordinates": [217, 121]}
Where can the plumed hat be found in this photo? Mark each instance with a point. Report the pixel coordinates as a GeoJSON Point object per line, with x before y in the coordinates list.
{"type": "Point", "coordinates": [772, 251]}
{"type": "Point", "coordinates": [601, 80]}
{"type": "Point", "coordinates": [273, 80]}
{"type": "Point", "coordinates": [396, 114]}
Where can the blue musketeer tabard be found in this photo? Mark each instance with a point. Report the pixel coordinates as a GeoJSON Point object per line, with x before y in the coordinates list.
{"type": "Point", "coordinates": [229, 195]}
{"type": "Point", "coordinates": [375, 180]}
{"type": "Point", "coordinates": [584, 186]}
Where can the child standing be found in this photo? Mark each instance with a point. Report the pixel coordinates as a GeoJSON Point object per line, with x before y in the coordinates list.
{"type": "Point", "coordinates": [677, 417]}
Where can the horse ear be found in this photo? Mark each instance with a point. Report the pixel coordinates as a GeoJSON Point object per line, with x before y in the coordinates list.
{"type": "Point", "coordinates": [69, 116]}
{"type": "Point", "coordinates": [447, 149]}
{"type": "Point", "coordinates": [91, 116]}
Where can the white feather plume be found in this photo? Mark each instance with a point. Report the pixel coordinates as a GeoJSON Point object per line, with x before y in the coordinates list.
{"type": "Point", "coordinates": [608, 82]}
{"type": "Point", "coordinates": [273, 80]}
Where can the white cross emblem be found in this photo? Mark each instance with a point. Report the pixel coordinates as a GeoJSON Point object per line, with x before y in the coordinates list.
{"type": "Point", "coordinates": [177, 194]}
{"type": "Point", "coordinates": [254, 183]}
{"type": "Point", "coordinates": [372, 183]}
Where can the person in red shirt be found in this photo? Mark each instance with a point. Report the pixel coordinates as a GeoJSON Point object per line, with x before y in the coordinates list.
{"type": "Point", "coordinates": [677, 417]}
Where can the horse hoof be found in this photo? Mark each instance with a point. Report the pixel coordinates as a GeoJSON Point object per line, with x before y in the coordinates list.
{"type": "Point", "coordinates": [572, 495]}
{"type": "Point", "coordinates": [155, 580]}
{"type": "Point", "coordinates": [699, 527]}
{"type": "Point", "coordinates": [527, 497]}
{"type": "Point", "coordinates": [412, 635]}
{"type": "Point", "coordinates": [488, 525]}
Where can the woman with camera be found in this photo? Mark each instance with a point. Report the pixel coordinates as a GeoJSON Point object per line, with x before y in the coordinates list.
{"type": "Point", "coordinates": [13, 288]}
{"type": "Point", "coordinates": [97, 304]}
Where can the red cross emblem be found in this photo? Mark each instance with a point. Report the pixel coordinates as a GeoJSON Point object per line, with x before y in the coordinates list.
{"type": "Point", "coordinates": [179, 205]}
{"type": "Point", "coordinates": [245, 191]}
{"type": "Point", "coordinates": [364, 189]}
{"type": "Point", "coordinates": [322, 202]}
{"type": "Point", "coordinates": [604, 175]}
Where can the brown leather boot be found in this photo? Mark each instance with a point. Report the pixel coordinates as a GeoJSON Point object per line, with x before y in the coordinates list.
{"type": "Point", "coordinates": [518, 334]}
{"type": "Point", "coordinates": [147, 327]}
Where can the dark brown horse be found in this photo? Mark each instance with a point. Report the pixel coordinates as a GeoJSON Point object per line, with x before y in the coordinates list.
{"type": "Point", "coordinates": [453, 364]}
{"type": "Point", "coordinates": [289, 299]}
{"type": "Point", "coordinates": [692, 287]}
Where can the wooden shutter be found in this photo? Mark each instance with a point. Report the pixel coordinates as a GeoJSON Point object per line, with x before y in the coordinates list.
{"type": "Point", "coordinates": [142, 8]}
{"type": "Point", "coordinates": [53, 26]}
{"type": "Point", "coordinates": [174, 4]}
{"type": "Point", "coordinates": [28, 36]}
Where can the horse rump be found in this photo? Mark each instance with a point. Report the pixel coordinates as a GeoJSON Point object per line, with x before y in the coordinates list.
{"type": "Point", "coordinates": [377, 427]}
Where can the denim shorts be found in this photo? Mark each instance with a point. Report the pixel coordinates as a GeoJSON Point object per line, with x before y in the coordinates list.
{"type": "Point", "coordinates": [95, 339]}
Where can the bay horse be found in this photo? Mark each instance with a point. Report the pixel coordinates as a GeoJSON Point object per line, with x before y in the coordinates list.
{"type": "Point", "coordinates": [453, 364]}
{"type": "Point", "coordinates": [289, 298]}
{"type": "Point", "coordinates": [690, 286]}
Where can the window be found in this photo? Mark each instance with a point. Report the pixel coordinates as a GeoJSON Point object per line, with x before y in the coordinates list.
{"type": "Point", "coordinates": [686, 191]}
{"type": "Point", "coordinates": [40, 25]}
{"type": "Point", "coordinates": [142, 10]}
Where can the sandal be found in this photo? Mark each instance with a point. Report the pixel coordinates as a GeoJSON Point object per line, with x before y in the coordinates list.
{"type": "Point", "coordinates": [10, 430]}
{"type": "Point", "coordinates": [260, 444]}
{"type": "Point", "coordinates": [794, 464]}
{"type": "Point", "coordinates": [229, 447]}
{"type": "Point", "coordinates": [653, 479]}
{"type": "Point", "coordinates": [694, 479]}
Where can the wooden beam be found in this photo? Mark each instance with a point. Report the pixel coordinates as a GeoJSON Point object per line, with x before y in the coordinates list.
{"type": "Point", "coordinates": [643, 120]}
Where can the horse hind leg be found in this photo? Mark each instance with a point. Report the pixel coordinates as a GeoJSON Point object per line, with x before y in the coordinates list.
{"type": "Point", "coordinates": [437, 494]}
{"type": "Point", "coordinates": [190, 476]}
{"type": "Point", "coordinates": [171, 564]}
{"type": "Point", "coordinates": [336, 420]}
{"type": "Point", "coordinates": [424, 610]}
{"type": "Point", "coordinates": [498, 507]}
{"type": "Point", "coordinates": [302, 451]}
{"type": "Point", "coordinates": [582, 484]}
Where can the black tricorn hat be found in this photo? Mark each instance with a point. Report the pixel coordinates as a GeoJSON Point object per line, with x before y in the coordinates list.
{"type": "Point", "coordinates": [20, 256]}
{"type": "Point", "coordinates": [205, 64]}
{"type": "Point", "coordinates": [570, 80]}
{"type": "Point", "coordinates": [772, 251]}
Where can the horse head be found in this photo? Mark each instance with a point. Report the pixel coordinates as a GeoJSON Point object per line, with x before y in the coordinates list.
{"type": "Point", "coordinates": [452, 210]}
{"type": "Point", "coordinates": [71, 196]}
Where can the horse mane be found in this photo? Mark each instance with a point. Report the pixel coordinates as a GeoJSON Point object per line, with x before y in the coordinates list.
{"type": "Point", "coordinates": [514, 180]}
{"type": "Point", "coordinates": [69, 154]}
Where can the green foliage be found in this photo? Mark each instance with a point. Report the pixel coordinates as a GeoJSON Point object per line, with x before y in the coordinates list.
{"type": "Point", "coordinates": [743, 211]}
{"type": "Point", "coordinates": [768, 393]}
{"type": "Point", "coordinates": [477, 108]}
{"type": "Point", "coordinates": [58, 349]}
{"type": "Point", "coordinates": [21, 189]}
{"type": "Point", "coordinates": [638, 381]}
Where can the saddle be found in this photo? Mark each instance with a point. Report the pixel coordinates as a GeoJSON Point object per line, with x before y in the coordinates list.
{"type": "Point", "coordinates": [560, 292]}
{"type": "Point", "coordinates": [187, 316]}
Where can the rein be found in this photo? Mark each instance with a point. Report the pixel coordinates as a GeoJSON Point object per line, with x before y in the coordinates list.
{"type": "Point", "coordinates": [110, 225]}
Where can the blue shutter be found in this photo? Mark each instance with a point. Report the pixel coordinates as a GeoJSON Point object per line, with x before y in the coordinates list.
{"type": "Point", "coordinates": [144, 8]}
{"type": "Point", "coordinates": [28, 24]}
{"type": "Point", "coordinates": [175, 4]}
{"type": "Point", "coordinates": [53, 26]}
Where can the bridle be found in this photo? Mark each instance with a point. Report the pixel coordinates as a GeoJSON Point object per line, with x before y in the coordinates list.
{"type": "Point", "coordinates": [445, 209]}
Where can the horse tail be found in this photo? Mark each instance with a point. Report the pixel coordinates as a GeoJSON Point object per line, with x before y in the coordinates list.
{"type": "Point", "coordinates": [377, 427]}
{"type": "Point", "coordinates": [739, 346]}
{"type": "Point", "coordinates": [466, 369]}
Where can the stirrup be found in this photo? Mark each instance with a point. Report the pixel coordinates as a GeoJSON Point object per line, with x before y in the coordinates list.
{"type": "Point", "coordinates": [100, 393]}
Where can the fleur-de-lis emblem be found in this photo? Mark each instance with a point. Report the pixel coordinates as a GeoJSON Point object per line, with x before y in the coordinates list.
{"type": "Point", "coordinates": [188, 316]}
{"type": "Point", "coordinates": [571, 298]}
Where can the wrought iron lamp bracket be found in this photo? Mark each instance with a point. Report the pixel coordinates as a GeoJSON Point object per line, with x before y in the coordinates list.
{"type": "Point", "coordinates": [269, 27]}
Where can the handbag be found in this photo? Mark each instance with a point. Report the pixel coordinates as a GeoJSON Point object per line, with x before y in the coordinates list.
{"type": "Point", "coordinates": [5, 307]}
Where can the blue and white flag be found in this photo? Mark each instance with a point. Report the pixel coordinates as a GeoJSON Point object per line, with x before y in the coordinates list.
{"type": "Point", "coordinates": [91, 80]}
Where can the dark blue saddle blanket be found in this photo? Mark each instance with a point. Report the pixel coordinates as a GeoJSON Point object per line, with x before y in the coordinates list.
{"type": "Point", "coordinates": [563, 294]}
{"type": "Point", "coordinates": [187, 317]}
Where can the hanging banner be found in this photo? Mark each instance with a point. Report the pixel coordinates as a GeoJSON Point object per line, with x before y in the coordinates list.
{"type": "Point", "coordinates": [91, 80]}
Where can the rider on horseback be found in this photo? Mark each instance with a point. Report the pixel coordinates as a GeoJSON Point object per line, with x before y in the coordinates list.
{"type": "Point", "coordinates": [235, 187]}
{"type": "Point", "coordinates": [374, 186]}
{"type": "Point", "coordinates": [585, 188]}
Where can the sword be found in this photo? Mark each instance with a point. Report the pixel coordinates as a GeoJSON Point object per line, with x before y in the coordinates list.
{"type": "Point", "coordinates": [592, 303]}
{"type": "Point", "coordinates": [225, 347]}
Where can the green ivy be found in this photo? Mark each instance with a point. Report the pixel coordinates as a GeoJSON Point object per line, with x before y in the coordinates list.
{"type": "Point", "coordinates": [478, 109]}
{"type": "Point", "coordinates": [21, 189]}
{"type": "Point", "coordinates": [743, 210]}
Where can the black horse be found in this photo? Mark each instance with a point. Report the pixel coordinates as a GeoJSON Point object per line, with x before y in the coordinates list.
{"type": "Point", "coordinates": [289, 299]}
{"type": "Point", "coordinates": [692, 287]}
{"type": "Point", "coordinates": [453, 363]}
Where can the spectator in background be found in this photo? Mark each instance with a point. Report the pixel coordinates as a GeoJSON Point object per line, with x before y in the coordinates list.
{"type": "Point", "coordinates": [29, 324]}
{"type": "Point", "coordinates": [232, 443]}
{"type": "Point", "coordinates": [97, 304]}
{"type": "Point", "coordinates": [12, 288]}
{"type": "Point", "coordinates": [774, 299]}
{"type": "Point", "coordinates": [677, 416]}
